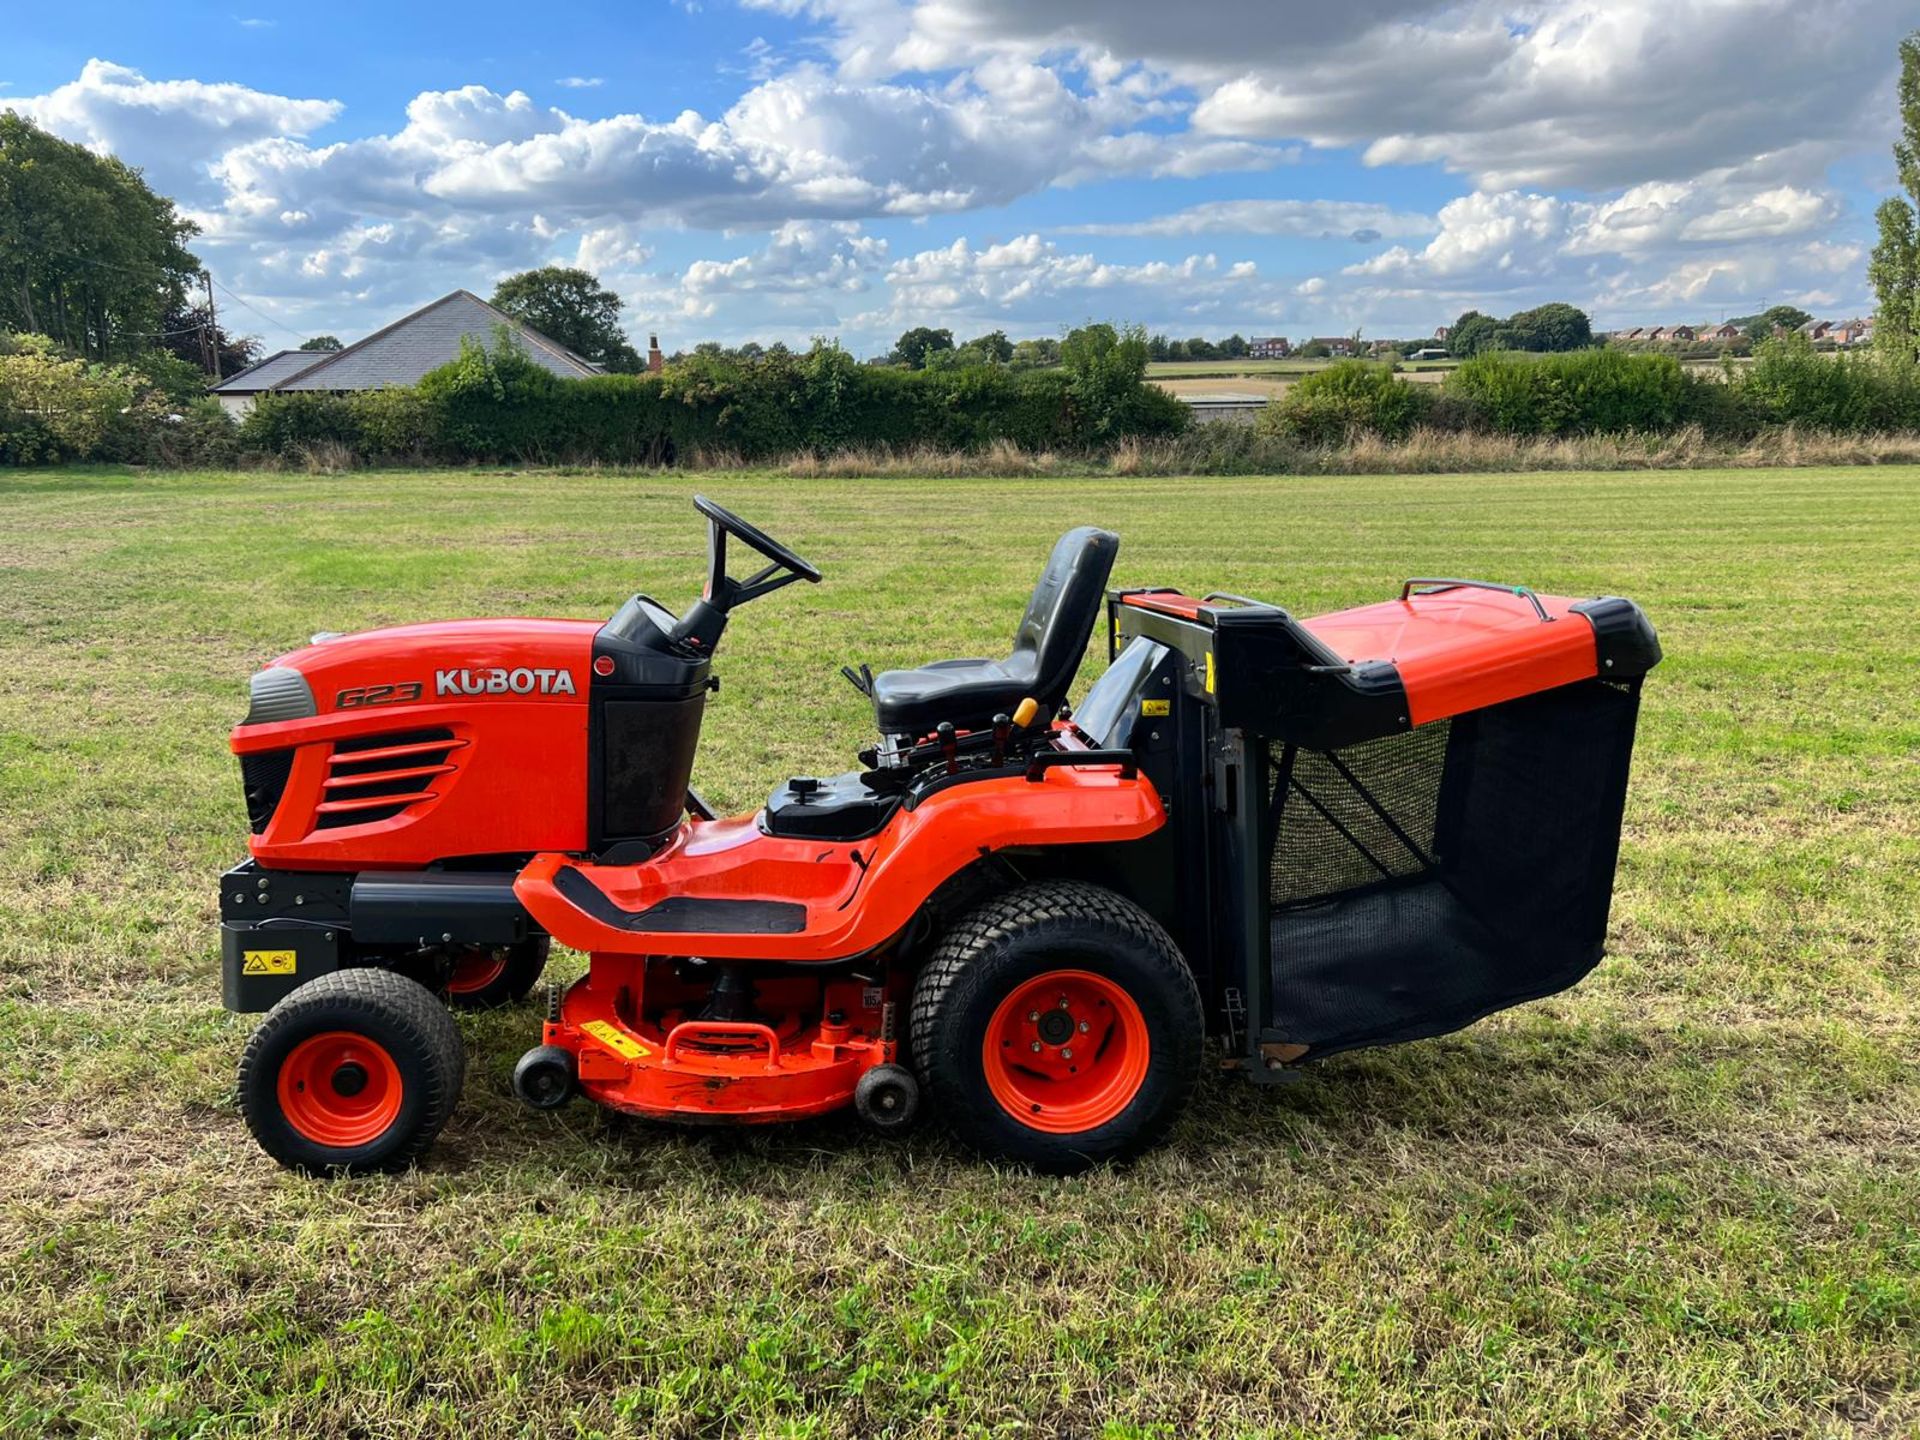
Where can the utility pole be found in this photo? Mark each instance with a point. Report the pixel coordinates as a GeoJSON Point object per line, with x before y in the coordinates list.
{"type": "Point", "coordinates": [210, 332]}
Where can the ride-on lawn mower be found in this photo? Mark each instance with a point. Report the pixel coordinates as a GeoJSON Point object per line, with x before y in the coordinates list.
{"type": "Point", "coordinates": [1301, 836]}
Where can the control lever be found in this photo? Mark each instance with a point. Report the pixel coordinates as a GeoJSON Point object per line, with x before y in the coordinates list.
{"type": "Point", "coordinates": [1025, 712]}
{"type": "Point", "coordinates": [949, 746]}
{"type": "Point", "coordinates": [1002, 733]}
{"type": "Point", "coordinates": [861, 679]}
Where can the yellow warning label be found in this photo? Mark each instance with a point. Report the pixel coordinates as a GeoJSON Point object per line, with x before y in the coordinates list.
{"type": "Point", "coordinates": [1209, 672]}
{"type": "Point", "coordinates": [266, 962]}
{"type": "Point", "coordinates": [616, 1040]}
{"type": "Point", "coordinates": [1156, 707]}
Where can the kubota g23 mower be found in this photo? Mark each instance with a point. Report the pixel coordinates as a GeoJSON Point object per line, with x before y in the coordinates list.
{"type": "Point", "coordinates": [1300, 836]}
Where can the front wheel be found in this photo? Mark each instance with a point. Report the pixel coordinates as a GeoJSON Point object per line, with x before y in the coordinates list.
{"type": "Point", "coordinates": [487, 977]}
{"type": "Point", "coordinates": [1057, 1025]}
{"type": "Point", "coordinates": [354, 1072]}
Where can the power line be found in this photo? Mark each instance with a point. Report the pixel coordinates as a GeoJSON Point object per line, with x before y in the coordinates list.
{"type": "Point", "coordinates": [245, 305]}
{"type": "Point", "coordinates": [242, 302]}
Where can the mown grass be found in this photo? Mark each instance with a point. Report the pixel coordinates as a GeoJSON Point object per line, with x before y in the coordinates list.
{"type": "Point", "coordinates": [1681, 1200]}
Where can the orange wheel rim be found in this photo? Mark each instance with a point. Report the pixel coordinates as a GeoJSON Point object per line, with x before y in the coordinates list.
{"type": "Point", "coordinates": [1066, 1052]}
{"type": "Point", "coordinates": [474, 972]}
{"type": "Point", "coordinates": [340, 1089]}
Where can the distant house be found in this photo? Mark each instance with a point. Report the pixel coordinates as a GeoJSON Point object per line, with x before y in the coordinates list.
{"type": "Point", "coordinates": [398, 355]}
{"type": "Point", "coordinates": [1269, 347]}
{"type": "Point", "coordinates": [1817, 330]}
{"type": "Point", "coordinates": [1638, 332]}
{"type": "Point", "coordinates": [1852, 332]}
{"type": "Point", "coordinates": [1719, 334]}
{"type": "Point", "coordinates": [1441, 332]}
{"type": "Point", "coordinates": [1342, 345]}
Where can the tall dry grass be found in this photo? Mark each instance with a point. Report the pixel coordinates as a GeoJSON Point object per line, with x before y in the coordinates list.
{"type": "Point", "coordinates": [1226, 449]}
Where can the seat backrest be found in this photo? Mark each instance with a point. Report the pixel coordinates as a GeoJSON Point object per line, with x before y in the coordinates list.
{"type": "Point", "coordinates": [1060, 617]}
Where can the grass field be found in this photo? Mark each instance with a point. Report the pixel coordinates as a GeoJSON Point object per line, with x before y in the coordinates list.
{"type": "Point", "coordinates": [1680, 1200]}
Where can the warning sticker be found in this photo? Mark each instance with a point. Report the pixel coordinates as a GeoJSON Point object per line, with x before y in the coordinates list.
{"type": "Point", "coordinates": [616, 1040]}
{"type": "Point", "coordinates": [266, 962]}
{"type": "Point", "coordinates": [1209, 672]}
{"type": "Point", "coordinates": [1156, 707]}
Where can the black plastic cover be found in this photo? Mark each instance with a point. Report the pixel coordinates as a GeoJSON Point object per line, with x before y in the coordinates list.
{"type": "Point", "coordinates": [261, 966]}
{"type": "Point", "coordinates": [837, 807]}
{"type": "Point", "coordinates": [434, 907]}
{"type": "Point", "coordinates": [1623, 636]}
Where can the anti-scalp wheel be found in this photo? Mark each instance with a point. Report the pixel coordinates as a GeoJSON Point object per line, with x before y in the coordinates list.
{"type": "Point", "coordinates": [887, 1098]}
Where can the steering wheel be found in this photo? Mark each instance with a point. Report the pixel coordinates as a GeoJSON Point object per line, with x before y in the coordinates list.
{"type": "Point", "coordinates": [756, 537]}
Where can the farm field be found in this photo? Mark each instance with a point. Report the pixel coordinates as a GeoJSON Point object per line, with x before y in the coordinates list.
{"type": "Point", "coordinates": [1223, 369]}
{"type": "Point", "coordinates": [1682, 1199]}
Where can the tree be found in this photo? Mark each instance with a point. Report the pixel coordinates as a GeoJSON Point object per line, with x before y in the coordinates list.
{"type": "Point", "coordinates": [1036, 354]}
{"type": "Point", "coordinates": [1764, 326]}
{"type": "Point", "coordinates": [185, 329]}
{"type": "Point", "coordinates": [88, 254]}
{"type": "Point", "coordinates": [325, 342]}
{"type": "Point", "coordinates": [1106, 368]}
{"type": "Point", "coordinates": [572, 307]}
{"type": "Point", "coordinates": [911, 348]}
{"type": "Point", "coordinates": [994, 345]}
{"type": "Point", "coordinates": [1548, 328]}
{"type": "Point", "coordinates": [1895, 268]}
{"type": "Point", "coordinates": [1471, 333]}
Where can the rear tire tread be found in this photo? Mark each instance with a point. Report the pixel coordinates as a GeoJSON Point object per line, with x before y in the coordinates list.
{"type": "Point", "coordinates": [963, 958]}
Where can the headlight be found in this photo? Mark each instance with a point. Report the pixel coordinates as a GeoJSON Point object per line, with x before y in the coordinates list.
{"type": "Point", "coordinates": [279, 694]}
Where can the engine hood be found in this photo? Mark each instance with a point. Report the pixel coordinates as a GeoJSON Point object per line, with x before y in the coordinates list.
{"type": "Point", "coordinates": [416, 664]}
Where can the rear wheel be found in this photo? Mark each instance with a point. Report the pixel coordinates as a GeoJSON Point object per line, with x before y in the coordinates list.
{"type": "Point", "coordinates": [485, 978]}
{"type": "Point", "coordinates": [1057, 1025]}
{"type": "Point", "coordinates": [354, 1072]}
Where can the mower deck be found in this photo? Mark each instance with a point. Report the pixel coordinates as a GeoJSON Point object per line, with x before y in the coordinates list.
{"type": "Point", "coordinates": [792, 1061]}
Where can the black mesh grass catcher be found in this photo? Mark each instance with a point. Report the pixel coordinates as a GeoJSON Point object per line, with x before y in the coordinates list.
{"type": "Point", "coordinates": [1419, 881]}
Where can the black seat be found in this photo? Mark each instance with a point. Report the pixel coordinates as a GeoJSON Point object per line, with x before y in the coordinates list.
{"type": "Point", "coordinates": [1047, 650]}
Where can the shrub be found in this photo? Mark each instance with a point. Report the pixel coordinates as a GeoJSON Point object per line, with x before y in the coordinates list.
{"type": "Point", "coordinates": [54, 408]}
{"type": "Point", "coordinates": [1583, 392]}
{"type": "Point", "coordinates": [494, 402]}
{"type": "Point", "coordinates": [289, 421]}
{"type": "Point", "coordinates": [397, 423]}
{"type": "Point", "coordinates": [1790, 383]}
{"type": "Point", "coordinates": [1352, 397]}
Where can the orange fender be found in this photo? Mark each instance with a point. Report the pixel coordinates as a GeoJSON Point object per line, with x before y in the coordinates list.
{"type": "Point", "coordinates": [855, 896]}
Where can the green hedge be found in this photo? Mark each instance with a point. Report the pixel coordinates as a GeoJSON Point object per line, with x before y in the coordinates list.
{"type": "Point", "coordinates": [497, 404]}
{"type": "Point", "coordinates": [1579, 392]}
{"type": "Point", "coordinates": [1352, 396]}
{"type": "Point", "coordinates": [494, 403]}
{"type": "Point", "coordinates": [1606, 392]}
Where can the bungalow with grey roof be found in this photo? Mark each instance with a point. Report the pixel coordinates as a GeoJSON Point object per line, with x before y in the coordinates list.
{"type": "Point", "coordinates": [400, 354]}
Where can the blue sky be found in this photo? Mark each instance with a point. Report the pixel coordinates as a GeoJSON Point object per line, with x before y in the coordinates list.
{"type": "Point", "coordinates": [776, 169]}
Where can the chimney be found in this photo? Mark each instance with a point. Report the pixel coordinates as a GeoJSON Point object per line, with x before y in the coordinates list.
{"type": "Point", "coordinates": [656, 362]}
